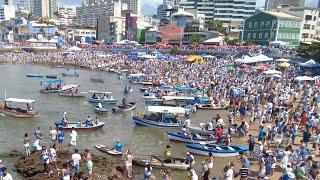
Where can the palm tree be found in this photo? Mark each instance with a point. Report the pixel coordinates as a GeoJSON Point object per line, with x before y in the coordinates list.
{"type": "Point", "coordinates": [195, 39]}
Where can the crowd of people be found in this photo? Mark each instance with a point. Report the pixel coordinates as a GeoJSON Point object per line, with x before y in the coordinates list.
{"type": "Point", "coordinates": [278, 117]}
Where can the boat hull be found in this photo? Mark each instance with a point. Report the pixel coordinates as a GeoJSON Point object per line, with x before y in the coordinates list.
{"type": "Point", "coordinates": [130, 107]}
{"type": "Point", "coordinates": [179, 165]}
{"type": "Point", "coordinates": [185, 139]}
{"type": "Point", "coordinates": [35, 75]}
{"type": "Point", "coordinates": [204, 107]}
{"type": "Point", "coordinates": [70, 126]}
{"type": "Point", "coordinates": [17, 114]}
{"type": "Point", "coordinates": [51, 76]}
{"type": "Point", "coordinates": [197, 149]}
{"type": "Point", "coordinates": [98, 80]}
{"type": "Point", "coordinates": [100, 110]}
{"type": "Point", "coordinates": [148, 123]}
{"type": "Point", "coordinates": [103, 101]}
{"type": "Point", "coordinates": [49, 91]}
{"type": "Point", "coordinates": [70, 75]}
{"type": "Point", "coordinates": [107, 150]}
{"type": "Point", "coordinates": [72, 94]}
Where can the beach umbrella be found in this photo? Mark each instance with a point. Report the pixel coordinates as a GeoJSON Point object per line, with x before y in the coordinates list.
{"type": "Point", "coordinates": [284, 65]}
{"type": "Point", "coordinates": [230, 68]}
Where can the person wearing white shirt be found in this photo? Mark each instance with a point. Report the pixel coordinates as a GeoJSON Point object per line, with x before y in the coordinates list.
{"type": "Point", "coordinates": [192, 174]}
{"type": "Point", "coordinates": [76, 157]}
{"type": "Point", "coordinates": [230, 173]}
{"type": "Point", "coordinates": [6, 175]}
{"type": "Point", "coordinates": [73, 138]}
{"type": "Point", "coordinates": [187, 122]}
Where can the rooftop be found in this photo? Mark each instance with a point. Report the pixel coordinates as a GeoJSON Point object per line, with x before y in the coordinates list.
{"type": "Point", "coordinates": [281, 15]}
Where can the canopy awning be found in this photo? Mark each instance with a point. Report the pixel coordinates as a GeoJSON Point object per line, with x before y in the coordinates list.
{"type": "Point", "coordinates": [311, 63]}
{"type": "Point", "coordinates": [170, 98]}
{"type": "Point", "coordinates": [54, 81]}
{"type": "Point", "coordinates": [283, 60]}
{"type": "Point", "coordinates": [272, 72]}
{"type": "Point", "coordinates": [17, 100]}
{"type": "Point", "coordinates": [304, 78]}
{"type": "Point", "coordinates": [166, 109]}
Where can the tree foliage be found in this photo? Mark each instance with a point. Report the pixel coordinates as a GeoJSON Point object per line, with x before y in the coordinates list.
{"type": "Point", "coordinates": [195, 39]}
{"type": "Point", "coordinates": [174, 51]}
{"type": "Point", "coordinates": [310, 51]}
{"type": "Point", "coordinates": [216, 26]}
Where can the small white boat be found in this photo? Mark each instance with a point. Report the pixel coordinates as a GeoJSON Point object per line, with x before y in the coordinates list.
{"type": "Point", "coordinates": [158, 162]}
{"type": "Point", "coordinates": [97, 79]}
{"type": "Point", "coordinates": [108, 150]}
{"type": "Point", "coordinates": [8, 109]}
{"type": "Point", "coordinates": [102, 97]}
{"type": "Point", "coordinates": [51, 86]}
{"type": "Point", "coordinates": [203, 138]}
{"type": "Point", "coordinates": [121, 108]}
{"type": "Point", "coordinates": [100, 110]}
{"type": "Point", "coordinates": [71, 90]}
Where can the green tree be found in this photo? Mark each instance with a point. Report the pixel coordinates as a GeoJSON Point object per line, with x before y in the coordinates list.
{"type": "Point", "coordinates": [310, 51]}
{"type": "Point", "coordinates": [174, 51]}
{"type": "Point", "coordinates": [195, 39]}
{"type": "Point", "coordinates": [248, 42]}
{"type": "Point", "coordinates": [215, 25]}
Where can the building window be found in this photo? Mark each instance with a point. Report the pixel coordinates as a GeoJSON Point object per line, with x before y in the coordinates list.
{"type": "Point", "coordinates": [311, 36]}
{"type": "Point", "coordinates": [248, 35]}
{"type": "Point", "coordinates": [262, 24]}
{"type": "Point", "coordinates": [306, 26]}
{"type": "Point", "coordinates": [266, 35]}
{"type": "Point", "coordinates": [250, 24]}
{"type": "Point", "coordinates": [256, 24]}
{"type": "Point", "coordinates": [254, 36]}
{"type": "Point", "coordinates": [268, 24]}
{"type": "Point", "coordinates": [312, 27]}
{"type": "Point", "coordinates": [308, 17]}
{"type": "Point", "coordinates": [305, 35]}
{"type": "Point", "coordinates": [260, 35]}
{"type": "Point", "coordinates": [314, 18]}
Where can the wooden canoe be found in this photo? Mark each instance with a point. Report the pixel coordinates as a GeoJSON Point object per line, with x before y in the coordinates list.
{"type": "Point", "coordinates": [108, 150]}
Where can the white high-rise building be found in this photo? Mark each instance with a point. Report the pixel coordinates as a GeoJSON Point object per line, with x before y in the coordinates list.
{"type": "Point", "coordinates": [66, 15]}
{"type": "Point", "coordinates": [134, 6]}
{"type": "Point", "coordinates": [88, 14]}
{"type": "Point", "coordinates": [162, 10]}
{"type": "Point", "coordinates": [234, 10]}
{"type": "Point", "coordinates": [41, 8]}
{"type": "Point", "coordinates": [7, 12]}
{"type": "Point", "coordinates": [25, 6]}
{"type": "Point", "coordinates": [205, 7]}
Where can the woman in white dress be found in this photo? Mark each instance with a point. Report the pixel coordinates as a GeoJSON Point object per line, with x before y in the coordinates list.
{"type": "Point", "coordinates": [286, 157]}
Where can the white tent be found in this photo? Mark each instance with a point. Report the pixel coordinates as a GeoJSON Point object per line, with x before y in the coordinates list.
{"type": "Point", "coordinates": [74, 48]}
{"type": "Point", "coordinates": [43, 40]}
{"type": "Point", "coordinates": [272, 72]}
{"type": "Point", "coordinates": [304, 78]}
{"type": "Point", "coordinates": [278, 43]}
{"type": "Point", "coordinates": [32, 40]}
{"type": "Point", "coordinates": [283, 60]}
{"type": "Point", "coordinates": [53, 41]}
{"type": "Point", "coordinates": [148, 56]}
{"type": "Point", "coordinates": [311, 63]}
{"type": "Point", "coordinates": [255, 59]}
{"type": "Point", "coordinates": [209, 56]}
{"type": "Point", "coordinates": [218, 40]}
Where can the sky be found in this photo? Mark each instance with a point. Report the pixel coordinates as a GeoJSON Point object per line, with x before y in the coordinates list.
{"type": "Point", "coordinates": [149, 7]}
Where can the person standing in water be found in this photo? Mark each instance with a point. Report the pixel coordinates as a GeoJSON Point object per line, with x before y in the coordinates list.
{"type": "Point", "coordinates": [88, 159]}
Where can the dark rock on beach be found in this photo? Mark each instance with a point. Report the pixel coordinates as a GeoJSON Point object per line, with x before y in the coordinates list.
{"type": "Point", "coordinates": [103, 168]}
